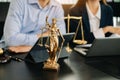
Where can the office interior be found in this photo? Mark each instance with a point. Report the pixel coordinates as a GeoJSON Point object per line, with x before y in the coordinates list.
{"type": "Point", "coordinates": [75, 67]}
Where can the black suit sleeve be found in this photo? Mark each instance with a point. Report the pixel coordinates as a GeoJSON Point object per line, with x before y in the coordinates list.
{"type": "Point", "coordinates": [109, 19]}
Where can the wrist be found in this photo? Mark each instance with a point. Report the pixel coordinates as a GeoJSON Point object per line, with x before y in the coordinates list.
{"type": "Point", "coordinates": [105, 30]}
{"type": "Point", "coordinates": [108, 29]}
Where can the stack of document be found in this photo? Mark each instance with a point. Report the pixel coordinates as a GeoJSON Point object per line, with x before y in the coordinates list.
{"type": "Point", "coordinates": [82, 49]}
{"type": "Point", "coordinates": [84, 45]}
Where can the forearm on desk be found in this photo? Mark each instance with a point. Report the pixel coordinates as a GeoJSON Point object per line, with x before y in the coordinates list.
{"type": "Point", "coordinates": [111, 29]}
{"type": "Point", "coordinates": [20, 49]}
{"type": "Point", "coordinates": [20, 39]}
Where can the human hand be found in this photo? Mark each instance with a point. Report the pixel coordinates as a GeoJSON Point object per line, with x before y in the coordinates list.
{"type": "Point", "coordinates": [108, 29]}
{"type": "Point", "coordinates": [20, 49]}
{"type": "Point", "coordinates": [117, 30]}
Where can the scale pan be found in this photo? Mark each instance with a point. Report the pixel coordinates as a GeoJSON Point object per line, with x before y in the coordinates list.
{"type": "Point", "coordinates": [80, 41]}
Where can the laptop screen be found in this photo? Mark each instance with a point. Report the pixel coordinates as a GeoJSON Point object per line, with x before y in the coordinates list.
{"type": "Point", "coordinates": [100, 47]}
{"type": "Point", "coordinates": [105, 47]}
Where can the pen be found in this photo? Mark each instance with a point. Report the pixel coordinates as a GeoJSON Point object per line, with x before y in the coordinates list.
{"type": "Point", "coordinates": [17, 59]}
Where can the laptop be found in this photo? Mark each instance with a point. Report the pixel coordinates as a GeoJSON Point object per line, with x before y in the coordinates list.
{"type": "Point", "coordinates": [100, 47]}
{"type": "Point", "coordinates": [39, 53]}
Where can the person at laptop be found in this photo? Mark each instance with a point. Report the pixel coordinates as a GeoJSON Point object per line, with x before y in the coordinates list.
{"type": "Point", "coordinates": [25, 19]}
{"type": "Point", "coordinates": [97, 19]}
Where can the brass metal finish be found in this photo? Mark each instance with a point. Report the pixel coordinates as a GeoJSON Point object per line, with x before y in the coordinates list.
{"type": "Point", "coordinates": [83, 41]}
{"type": "Point", "coordinates": [82, 32]}
{"type": "Point", "coordinates": [52, 45]}
{"type": "Point", "coordinates": [1, 51]}
{"type": "Point", "coordinates": [68, 29]}
{"type": "Point", "coordinates": [41, 36]}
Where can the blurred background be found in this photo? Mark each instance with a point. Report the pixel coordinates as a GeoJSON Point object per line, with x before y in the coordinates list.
{"type": "Point", "coordinates": [115, 4]}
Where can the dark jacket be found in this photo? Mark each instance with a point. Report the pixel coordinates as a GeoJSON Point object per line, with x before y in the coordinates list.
{"type": "Point", "coordinates": [106, 20]}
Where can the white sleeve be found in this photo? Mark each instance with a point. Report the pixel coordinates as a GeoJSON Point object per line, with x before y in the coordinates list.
{"type": "Point", "coordinates": [99, 33]}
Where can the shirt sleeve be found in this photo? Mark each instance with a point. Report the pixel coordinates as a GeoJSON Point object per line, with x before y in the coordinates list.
{"type": "Point", "coordinates": [99, 33]}
{"type": "Point", "coordinates": [13, 25]}
{"type": "Point", "coordinates": [61, 23]}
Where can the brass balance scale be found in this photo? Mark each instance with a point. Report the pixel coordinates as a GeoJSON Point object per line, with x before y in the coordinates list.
{"type": "Point", "coordinates": [83, 41]}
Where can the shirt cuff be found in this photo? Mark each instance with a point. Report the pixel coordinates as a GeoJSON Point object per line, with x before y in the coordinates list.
{"type": "Point", "coordinates": [33, 39]}
{"type": "Point", "coordinates": [99, 33]}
